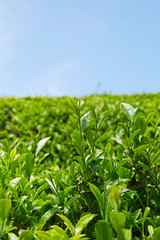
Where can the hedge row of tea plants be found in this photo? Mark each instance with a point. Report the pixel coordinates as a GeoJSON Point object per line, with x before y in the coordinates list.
{"type": "Point", "coordinates": [80, 168]}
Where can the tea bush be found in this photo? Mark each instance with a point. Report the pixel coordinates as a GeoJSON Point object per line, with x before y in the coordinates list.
{"type": "Point", "coordinates": [80, 168]}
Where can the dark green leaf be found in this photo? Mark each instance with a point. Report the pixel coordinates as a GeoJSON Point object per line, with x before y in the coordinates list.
{"type": "Point", "coordinates": [133, 136]}
{"type": "Point", "coordinates": [90, 136]}
{"type": "Point", "coordinates": [140, 124]}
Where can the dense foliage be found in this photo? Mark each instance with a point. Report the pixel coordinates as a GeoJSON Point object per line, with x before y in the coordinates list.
{"type": "Point", "coordinates": [80, 168]}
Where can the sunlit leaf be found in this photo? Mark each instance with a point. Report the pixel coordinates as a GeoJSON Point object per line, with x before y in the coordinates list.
{"type": "Point", "coordinates": [83, 222]}
{"type": "Point", "coordinates": [41, 144]}
{"type": "Point", "coordinates": [48, 215]}
{"type": "Point", "coordinates": [128, 110]}
{"type": "Point", "coordinates": [67, 223]}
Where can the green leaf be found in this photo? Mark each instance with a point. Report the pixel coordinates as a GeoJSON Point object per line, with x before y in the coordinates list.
{"type": "Point", "coordinates": [67, 223]}
{"type": "Point", "coordinates": [118, 220]}
{"type": "Point", "coordinates": [15, 181]}
{"type": "Point", "coordinates": [157, 131]}
{"type": "Point", "coordinates": [73, 105]}
{"type": "Point", "coordinates": [90, 136]}
{"type": "Point", "coordinates": [151, 231]}
{"type": "Point", "coordinates": [140, 152]}
{"type": "Point", "coordinates": [103, 230]}
{"type": "Point", "coordinates": [13, 191]}
{"type": "Point", "coordinates": [85, 120]}
{"type": "Point", "coordinates": [43, 235]}
{"type": "Point", "coordinates": [30, 182]}
{"type": "Point", "coordinates": [149, 117]}
{"type": "Point", "coordinates": [93, 111]}
{"type": "Point", "coordinates": [141, 147]}
{"type": "Point", "coordinates": [12, 236]}
{"type": "Point", "coordinates": [58, 231]}
{"type": "Point", "coordinates": [137, 214]}
{"type": "Point", "coordinates": [156, 234]}
{"type": "Point", "coordinates": [29, 163]}
{"type": "Point", "coordinates": [120, 164]}
{"type": "Point", "coordinates": [144, 166]}
{"type": "Point", "coordinates": [108, 148]}
{"type": "Point", "coordinates": [71, 200]}
{"type": "Point", "coordinates": [123, 126]}
{"type": "Point", "coordinates": [79, 160]}
{"type": "Point", "coordinates": [156, 159]}
{"type": "Point", "coordinates": [128, 110]}
{"type": "Point", "coordinates": [14, 165]}
{"type": "Point", "coordinates": [83, 222]}
{"type": "Point", "coordinates": [120, 141]}
{"type": "Point", "coordinates": [125, 234]}
{"type": "Point", "coordinates": [133, 136]}
{"type": "Point", "coordinates": [77, 141]}
{"type": "Point", "coordinates": [38, 203]}
{"type": "Point", "coordinates": [68, 190]}
{"type": "Point", "coordinates": [5, 205]}
{"type": "Point", "coordinates": [48, 215]}
{"type": "Point", "coordinates": [2, 154]}
{"type": "Point", "coordinates": [52, 185]}
{"type": "Point", "coordinates": [115, 198]}
{"type": "Point", "coordinates": [140, 124]}
{"type": "Point", "coordinates": [42, 158]}
{"type": "Point", "coordinates": [40, 189]}
{"type": "Point", "coordinates": [146, 212]}
{"type": "Point", "coordinates": [26, 235]}
{"type": "Point", "coordinates": [41, 144]}
{"type": "Point", "coordinates": [12, 155]}
{"type": "Point", "coordinates": [56, 237]}
{"type": "Point", "coordinates": [79, 236]}
{"type": "Point", "coordinates": [98, 196]}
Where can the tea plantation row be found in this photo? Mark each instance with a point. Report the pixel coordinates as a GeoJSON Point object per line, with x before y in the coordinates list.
{"type": "Point", "coordinates": [80, 168]}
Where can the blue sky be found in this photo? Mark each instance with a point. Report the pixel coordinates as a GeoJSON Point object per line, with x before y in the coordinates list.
{"type": "Point", "coordinates": [79, 47]}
